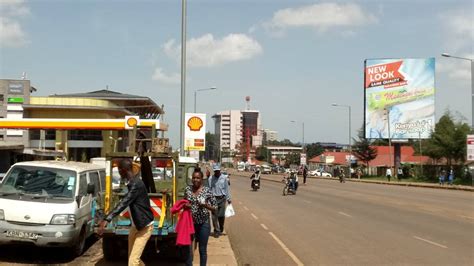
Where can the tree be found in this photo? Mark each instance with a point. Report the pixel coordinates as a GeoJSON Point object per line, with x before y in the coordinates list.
{"type": "Point", "coordinates": [448, 140]}
{"type": "Point", "coordinates": [262, 154]}
{"type": "Point", "coordinates": [285, 142]}
{"type": "Point", "coordinates": [362, 149]}
{"type": "Point", "coordinates": [292, 158]}
{"type": "Point", "coordinates": [313, 149]}
{"type": "Point", "coordinates": [212, 147]}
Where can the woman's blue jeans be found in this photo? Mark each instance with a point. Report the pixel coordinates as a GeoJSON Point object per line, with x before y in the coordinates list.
{"type": "Point", "coordinates": [201, 234]}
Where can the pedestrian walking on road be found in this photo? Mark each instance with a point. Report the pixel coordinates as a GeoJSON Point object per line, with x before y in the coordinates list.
{"type": "Point", "coordinates": [399, 173]}
{"type": "Point", "coordinates": [388, 173]}
{"type": "Point", "coordinates": [342, 177]}
{"type": "Point", "coordinates": [201, 202]}
{"type": "Point", "coordinates": [442, 176]}
{"type": "Point", "coordinates": [141, 216]}
{"type": "Point", "coordinates": [451, 176]}
{"type": "Point", "coordinates": [220, 189]}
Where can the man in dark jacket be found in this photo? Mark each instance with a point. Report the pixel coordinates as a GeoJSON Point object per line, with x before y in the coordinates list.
{"type": "Point", "coordinates": [138, 202]}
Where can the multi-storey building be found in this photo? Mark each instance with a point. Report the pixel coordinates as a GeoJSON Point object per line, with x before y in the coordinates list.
{"type": "Point", "coordinates": [238, 131]}
{"type": "Point", "coordinates": [269, 135]}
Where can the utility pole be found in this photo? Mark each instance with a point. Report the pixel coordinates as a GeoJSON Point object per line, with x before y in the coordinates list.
{"type": "Point", "coordinates": [183, 77]}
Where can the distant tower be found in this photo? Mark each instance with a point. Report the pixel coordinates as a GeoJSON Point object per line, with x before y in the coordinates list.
{"type": "Point", "coordinates": [247, 99]}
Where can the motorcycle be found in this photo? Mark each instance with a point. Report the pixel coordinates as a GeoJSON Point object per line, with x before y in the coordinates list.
{"type": "Point", "coordinates": [289, 187]}
{"type": "Point", "coordinates": [255, 183]}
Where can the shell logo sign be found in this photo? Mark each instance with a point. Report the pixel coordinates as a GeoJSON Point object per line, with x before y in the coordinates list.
{"type": "Point", "coordinates": [195, 123]}
{"type": "Point", "coordinates": [195, 132]}
{"type": "Point", "coordinates": [131, 121]}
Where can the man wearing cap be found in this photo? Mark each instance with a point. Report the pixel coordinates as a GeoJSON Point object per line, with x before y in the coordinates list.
{"type": "Point", "coordinates": [220, 189]}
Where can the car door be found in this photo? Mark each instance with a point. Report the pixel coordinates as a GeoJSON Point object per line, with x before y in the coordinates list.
{"type": "Point", "coordinates": [84, 211]}
{"type": "Point", "coordinates": [93, 178]}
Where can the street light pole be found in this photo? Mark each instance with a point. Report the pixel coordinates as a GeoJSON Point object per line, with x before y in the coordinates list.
{"type": "Point", "coordinates": [350, 135]}
{"type": "Point", "coordinates": [183, 77]}
{"type": "Point", "coordinates": [472, 82]}
{"type": "Point", "coordinates": [302, 144]}
{"type": "Point", "coordinates": [195, 95]}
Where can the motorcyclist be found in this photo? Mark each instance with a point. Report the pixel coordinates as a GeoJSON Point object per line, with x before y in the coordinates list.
{"type": "Point", "coordinates": [255, 177]}
{"type": "Point", "coordinates": [294, 180]}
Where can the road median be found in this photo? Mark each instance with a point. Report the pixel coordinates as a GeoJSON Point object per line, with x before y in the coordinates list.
{"type": "Point", "coordinates": [279, 177]}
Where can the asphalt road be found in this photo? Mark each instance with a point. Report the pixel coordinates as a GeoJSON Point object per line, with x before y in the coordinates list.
{"type": "Point", "coordinates": [329, 223]}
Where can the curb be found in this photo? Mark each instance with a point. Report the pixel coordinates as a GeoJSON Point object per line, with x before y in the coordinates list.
{"type": "Point", "coordinates": [405, 184]}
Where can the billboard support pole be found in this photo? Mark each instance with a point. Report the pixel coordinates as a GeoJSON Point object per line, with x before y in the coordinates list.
{"type": "Point", "coordinates": [389, 139]}
{"type": "Point", "coordinates": [421, 154]}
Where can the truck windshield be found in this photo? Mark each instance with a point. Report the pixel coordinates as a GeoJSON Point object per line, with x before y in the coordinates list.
{"type": "Point", "coordinates": [44, 181]}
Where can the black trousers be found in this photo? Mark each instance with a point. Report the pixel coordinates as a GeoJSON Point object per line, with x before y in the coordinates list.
{"type": "Point", "coordinates": [218, 216]}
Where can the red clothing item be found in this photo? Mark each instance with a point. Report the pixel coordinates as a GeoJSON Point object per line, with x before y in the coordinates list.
{"type": "Point", "coordinates": [185, 226]}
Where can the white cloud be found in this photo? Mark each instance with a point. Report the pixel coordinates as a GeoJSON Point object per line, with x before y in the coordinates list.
{"type": "Point", "coordinates": [160, 76]}
{"type": "Point", "coordinates": [459, 28]}
{"type": "Point", "coordinates": [11, 32]}
{"type": "Point", "coordinates": [207, 51]}
{"type": "Point", "coordinates": [455, 68]}
{"type": "Point", "coordinates": [321, 17]}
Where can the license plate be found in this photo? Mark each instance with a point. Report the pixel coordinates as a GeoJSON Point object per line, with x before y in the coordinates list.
{"type": "Point", "coordinates": [26, 235]}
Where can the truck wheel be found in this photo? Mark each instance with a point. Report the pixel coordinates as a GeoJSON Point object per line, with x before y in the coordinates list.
{"type": "Point", "coordinates": [182, 253]}
{"type": "Point", "coordinates": [78, 247]}
{"type": "Point", "coordinates": [109, 246]}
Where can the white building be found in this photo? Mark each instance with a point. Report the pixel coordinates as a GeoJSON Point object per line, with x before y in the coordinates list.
{"type": "Point", "coordinates": [270, 135]}
{"type": "Point", "coordinates": [228, 128]}
{"type": "Point", "coordinates": [235, 128]}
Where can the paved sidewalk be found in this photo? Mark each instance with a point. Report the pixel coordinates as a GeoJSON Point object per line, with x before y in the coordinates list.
{"type": "Point", "coordinates": [219, 252]}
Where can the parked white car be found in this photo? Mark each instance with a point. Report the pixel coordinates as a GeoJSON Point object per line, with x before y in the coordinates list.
{"type": "Point", "coordinates": [50, 203]}
{"type": "Point", "coordinates": [266, 169]}
{"type": "Point", "coordinates": [319, 173]}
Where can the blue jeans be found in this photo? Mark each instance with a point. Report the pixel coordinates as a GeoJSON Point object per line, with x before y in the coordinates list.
{"type": "Point", "coordinates": [201, 234]}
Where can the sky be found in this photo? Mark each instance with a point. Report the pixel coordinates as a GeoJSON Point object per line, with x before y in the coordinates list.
{"type": "Point", "coordinates": [293, 58]}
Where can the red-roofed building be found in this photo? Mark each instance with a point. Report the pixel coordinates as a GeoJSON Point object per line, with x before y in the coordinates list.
{"type": "Point", "coordinates": [406, 154]}
{"type": "Point", "coordinates": [329, 159]}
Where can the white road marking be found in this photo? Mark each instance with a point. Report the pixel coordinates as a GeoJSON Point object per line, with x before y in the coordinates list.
{"type": "Point", "coordinates": [307, 201]}
{"type": "Point", "coordinates": [255, 217]}
{"type": "Point", "coordinates": [264, 227]}
{"type": "Point", "coordinates": [345, 214]}
{"type": "Point", "coordinates": [431, 242]}
{"type": "Point", "coordinates": [287, 250]}
{"type": "Point", "coordinates": [245, 207]}
{"type": "Point", "coordinates": [463, 216]}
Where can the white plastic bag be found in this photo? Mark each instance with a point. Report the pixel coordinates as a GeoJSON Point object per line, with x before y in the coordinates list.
{"type": "Point", "coordinates": [229, 211]}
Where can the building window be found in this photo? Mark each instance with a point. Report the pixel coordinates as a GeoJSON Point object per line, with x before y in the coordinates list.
{"type": "Point", "coordinates": [85, 135]}
{"type": "Point", "coordinates": [50, 134]}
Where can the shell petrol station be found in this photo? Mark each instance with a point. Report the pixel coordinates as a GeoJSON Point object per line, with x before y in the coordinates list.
{"type": "Point", "coordinates": [76, 126]}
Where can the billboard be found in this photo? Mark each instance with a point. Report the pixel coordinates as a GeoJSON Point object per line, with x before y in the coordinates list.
{"type": "Point", "coordinates": [399, 98]}
{"type": "Point", "coordinates": [470, 148]}
{"type": "Point", "coordinates": [195, 132]}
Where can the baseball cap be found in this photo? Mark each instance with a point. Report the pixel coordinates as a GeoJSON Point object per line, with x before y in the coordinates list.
{"type": "Point", "coordinates": [216, 168]}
